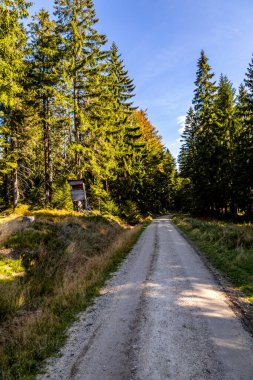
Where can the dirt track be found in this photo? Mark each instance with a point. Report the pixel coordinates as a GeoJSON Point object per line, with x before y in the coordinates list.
{"type": "Point", "coordinates": [161, 316]}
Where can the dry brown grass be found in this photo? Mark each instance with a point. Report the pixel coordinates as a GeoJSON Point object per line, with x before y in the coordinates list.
{"type": "Point", "coordinates": [72, 257]}
{"type": "Point", "coordinates": [10, 227]}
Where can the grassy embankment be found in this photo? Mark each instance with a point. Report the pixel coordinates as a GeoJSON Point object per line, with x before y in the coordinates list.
{"type": "Point", "coordinates": [229, 247]}
{"type": "Point", "coordinates": [49, 271]}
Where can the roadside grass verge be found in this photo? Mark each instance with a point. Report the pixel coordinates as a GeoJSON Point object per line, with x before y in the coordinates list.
{"type": "Point", "coordinates": [60, 262]}
{"type": "Point", "coordinates": [11, 222]}
{"type": "Point", "coordinates": [228, 246]}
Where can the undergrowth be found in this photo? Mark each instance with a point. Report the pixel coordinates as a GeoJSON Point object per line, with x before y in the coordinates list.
{"type": "Point", "coordinates": [60, 263]}
{"type": "Point", "coordinates": [228, 246]}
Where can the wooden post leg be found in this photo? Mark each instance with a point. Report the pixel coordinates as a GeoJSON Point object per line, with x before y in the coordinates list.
{"type": "Point", "coordinates": [85, 199]}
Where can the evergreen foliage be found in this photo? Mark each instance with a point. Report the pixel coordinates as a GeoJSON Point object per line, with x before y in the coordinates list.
{"type": "Point", "coordinates": [67, 111]}
{"type": "Point", "coordinates": [12, 107]}
{"type": "Point", "coordinates": [44, 80]}
{"type": "Point", "coordinates": [216, 158]}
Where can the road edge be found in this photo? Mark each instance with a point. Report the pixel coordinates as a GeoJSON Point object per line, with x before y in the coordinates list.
{"type": "Point", "coordinates": [236, 299]}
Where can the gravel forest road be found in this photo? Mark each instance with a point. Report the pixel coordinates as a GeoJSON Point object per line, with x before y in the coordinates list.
{"type": "Point", "coordinates": [161, 316]}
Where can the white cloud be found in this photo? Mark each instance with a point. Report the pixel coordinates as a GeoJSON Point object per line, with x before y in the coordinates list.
{"type": "Point", "coordinates": [181, 122]}
{"type": "Point", "coordinates": [174, 147]}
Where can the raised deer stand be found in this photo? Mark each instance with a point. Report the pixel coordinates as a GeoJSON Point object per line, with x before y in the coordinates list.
{"type": "Point", "coordinates": [78, 195]}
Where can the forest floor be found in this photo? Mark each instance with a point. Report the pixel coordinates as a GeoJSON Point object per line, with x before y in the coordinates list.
{"type": "Point", "coordinates": [50, 270]}
{"type": "Point", "coordinates": [163, 315]}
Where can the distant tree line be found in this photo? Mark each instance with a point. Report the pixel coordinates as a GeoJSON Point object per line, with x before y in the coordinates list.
{"type": "Point", "coordinates": [66, 111]}
{"type": "Point", "coordinates": [216, 158]}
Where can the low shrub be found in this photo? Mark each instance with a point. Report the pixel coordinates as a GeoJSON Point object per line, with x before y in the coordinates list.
{"type": "Point", "coordinates": [131, 212]}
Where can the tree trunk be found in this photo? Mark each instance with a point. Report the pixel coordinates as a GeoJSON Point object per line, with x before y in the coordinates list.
{"type": "Point", "coordinates": [233, 208]}
{"type": "Point", "coordinates": [15, 184]}
{"type": "Point", "coordinates": [85, 199]}
{"type": "Point", "coordinates": [5, 189]}
{"type": "Point", "coordinates": [233, 205]}
{"type": "Point", "coordinates": [5, 192]}
{"type": "Point", "coordinates": [47, 155]}
{"type": "Point", "coordinates": [15, 188]}
{"type": "Point", "coordinates": [107, 186]}
{"type": "Point", "coordinates": [76, 130]}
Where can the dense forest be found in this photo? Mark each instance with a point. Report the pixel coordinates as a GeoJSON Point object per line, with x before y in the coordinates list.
{"type": "Point", "coordinates": [67, 111]}
{"type": "Point", "coordinates": [216, 158]}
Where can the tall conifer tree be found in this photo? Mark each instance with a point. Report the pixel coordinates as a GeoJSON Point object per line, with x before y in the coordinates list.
{"type": "Point", "coordinates": [82, 56]}
{"type": "Point", "coordinates": [246, 138]}
{"type": "Point", "coordinates": [203, 101]}
{"type": "Point", "coordinates": [12, 68]}
{"type": "Point", "coordinates": [44, 75]}
{"type": "Point", "coordinates": [225, 194]}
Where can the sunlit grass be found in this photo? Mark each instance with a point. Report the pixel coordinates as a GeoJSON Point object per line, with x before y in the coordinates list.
{"type": "Point", "coordinates": [10, 268]}
{"type": "Point", "coordinates": [67, 257]}
{"type": "Point", "coordinates": [10, 213]}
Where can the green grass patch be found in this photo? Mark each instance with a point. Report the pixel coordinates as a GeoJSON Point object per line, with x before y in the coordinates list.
{"type": "Point", "coordinates": [9, 268]}
{"type": "Point", "coordinates": [65, 259]}
{"type": "Point", "coordinates": [228, 246]}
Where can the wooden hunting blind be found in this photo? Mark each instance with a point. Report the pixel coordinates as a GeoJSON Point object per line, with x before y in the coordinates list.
{"type": "Point", "coordinates": [78, 194]}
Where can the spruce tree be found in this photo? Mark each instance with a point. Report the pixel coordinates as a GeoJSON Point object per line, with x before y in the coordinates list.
{"type": "Point", "coordinates": [246, 143]}
{"type": "Point", "coordinates": [121, 86]}
{"type": "Point", "coordinates": [12, 68]}
{"type": "Point", "coordinates": [204, 93]}
{"type": "Point", "coordinates": [225, 192]}
{"type": "Point", "coordinates": [187, 151]}
{"type": "Point", "coordinates": [239, 157]}
{"type": "Point", "coordinates": [44, 74]}
{"type": "Point", "coordinates": [122, 134]}
{"type": "Point", "coordinates": [204, 165]}
{"type": "Point", "coordinates": [82, 57]}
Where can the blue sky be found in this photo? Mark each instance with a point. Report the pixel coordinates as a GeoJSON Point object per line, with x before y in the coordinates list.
{"type": "Point", "coordinates": [160, 42]}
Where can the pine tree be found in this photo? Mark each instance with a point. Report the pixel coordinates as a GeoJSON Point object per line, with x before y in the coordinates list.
{"type": "Point", "coordinates": [240, 116]}
{"type": "Point", "coordinates": [188, 161]}
{"type": "Point", "coordinates": [44, 74]}
{"type": "Point", "coordinates": [187, 151]}
{"type": "Point", "coordinates": [120, 89]}
{"type": "Point", "coordinates": [225, 193]}
{"type": "Point", "coordinates": [67, 107]}
{"type": "Point", "coordinates": [121, 134]}
{"type": "Point", "coordinates": [121, 86]}
{"type": "Point", "coordinates": [204, 93]}
{"type": "Point", "coordinates": [203, 175]}
{"type": "Point", "coordinates": [246, 141]}
{"type": "Point", "coordinates": [82, 57]}
{"type": "Point", "coordinates": [12, 68]}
